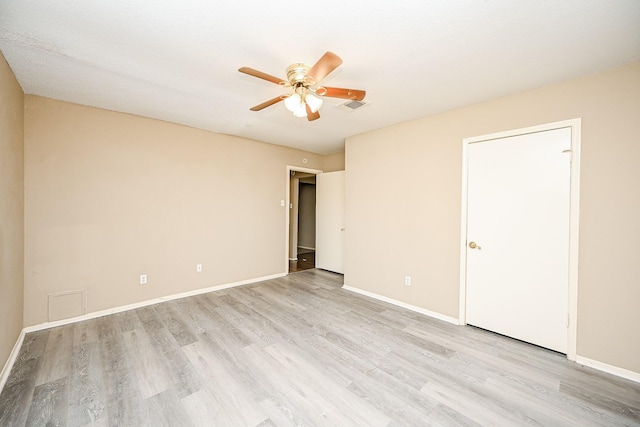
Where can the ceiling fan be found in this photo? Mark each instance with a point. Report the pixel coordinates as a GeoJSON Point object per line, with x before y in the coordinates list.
{"type": "Point", "coordinates": [303, 101]}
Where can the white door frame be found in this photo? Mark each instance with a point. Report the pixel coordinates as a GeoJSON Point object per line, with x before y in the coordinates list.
{"type": "Point", "coordinates": [286, 210]}
{"type": "Point", "coordinates": [574, 213]}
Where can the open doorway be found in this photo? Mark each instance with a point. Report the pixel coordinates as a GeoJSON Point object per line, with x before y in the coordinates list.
{"type": "Point", "coordinates": [301, 220]}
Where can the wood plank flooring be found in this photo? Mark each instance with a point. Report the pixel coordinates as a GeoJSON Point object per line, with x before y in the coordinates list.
{"type": "Point", "coordinates": [306, 260]}
{"type": "Point", "coordinates": [298, 350]}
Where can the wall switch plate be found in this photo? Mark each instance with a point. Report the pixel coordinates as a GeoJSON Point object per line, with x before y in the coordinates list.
{"type": "Point", "coordinates": [143, 279]}
{"type": "Point", "coordinates": [281, 202]}
{"type": "Point", "coordinates": [407, 280]}
{"type": "Point", "coordinates": [199, 268]}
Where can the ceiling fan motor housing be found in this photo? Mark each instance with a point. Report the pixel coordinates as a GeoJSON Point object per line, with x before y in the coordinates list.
{"type": "Point", "coordinates": [296, 75]}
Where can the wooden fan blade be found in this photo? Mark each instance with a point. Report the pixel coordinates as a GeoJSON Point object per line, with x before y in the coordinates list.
{"type": "Point", "coordinates": [336, 92]}
{"type": "Point", "coordinates": [311, 116]}
{"type": "Point", "coordinates": [261, 75]}
{"type": "Point", "coordinates": [329, 62]}
{"type": "Point", "coordinates": [267, 103]}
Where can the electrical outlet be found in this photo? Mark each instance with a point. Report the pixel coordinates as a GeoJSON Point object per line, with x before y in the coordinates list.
{"type": "Point", "coordinates": [143, 279]}
{"type": "Point", "coordinates": [407, 280]}
{"type": "Point", "coordinates": [199, 268]}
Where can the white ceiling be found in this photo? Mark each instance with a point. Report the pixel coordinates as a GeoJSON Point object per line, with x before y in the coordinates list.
{"type": "Point", "coordinates": [178, 60]}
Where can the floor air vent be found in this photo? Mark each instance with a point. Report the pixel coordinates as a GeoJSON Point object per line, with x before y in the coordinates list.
{"type": "Point", "coordinates": [353, 105]}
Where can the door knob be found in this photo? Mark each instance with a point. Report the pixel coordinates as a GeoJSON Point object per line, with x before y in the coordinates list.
{"type": "Point", "coordinates": [474, 245]}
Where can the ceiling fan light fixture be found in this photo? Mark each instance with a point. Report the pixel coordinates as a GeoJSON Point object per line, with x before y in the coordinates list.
{"type": "Point", "coordinates": [301, 112]}
{"type": "Point", "coordinates": [296, 105]}
{"type": "Point", "coordinates": [313, 102]}
{"type": "Point", "coordinates": [293, 102]}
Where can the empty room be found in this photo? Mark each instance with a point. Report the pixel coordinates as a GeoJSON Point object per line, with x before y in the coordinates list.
{"type": "Point", "coordinates": [333, 214]}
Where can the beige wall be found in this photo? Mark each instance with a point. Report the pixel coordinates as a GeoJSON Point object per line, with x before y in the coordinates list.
{"type": "Point", "coordinates": [11, 210]}
{"type": "Point", "coordinates": [403, 201]}
{"type": "Point", "coordinates": [333, 162]}
{"type": "Point", "coordinates": [110, 196]}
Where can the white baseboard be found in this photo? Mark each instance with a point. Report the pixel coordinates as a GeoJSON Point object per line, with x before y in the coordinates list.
{"type": "Point", "coordinates": [404, 305]}
{"type": "Point", "coordinates": [122, 308]}
{"type": "Point", "coordinates": [307, 247]}
{"type": "Point", "coordinates": [610, 369]}
{"type": "Point", "coordinates": [4, 375]}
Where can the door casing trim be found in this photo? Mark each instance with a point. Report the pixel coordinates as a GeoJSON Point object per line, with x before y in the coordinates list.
{"type": "Point", "coordinates": [574, 213]}
{"type": "Point", "coordinates": [286, 210]}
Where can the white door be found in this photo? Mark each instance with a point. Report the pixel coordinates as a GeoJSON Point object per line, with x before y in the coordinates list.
{"type": "Point", "coordinates": [330, 221]}
{"type": "Point", "coordinates": [518, 236]}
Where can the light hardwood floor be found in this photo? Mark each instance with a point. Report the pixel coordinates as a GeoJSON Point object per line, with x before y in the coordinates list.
{"type": "Point", "coordinates": [298, 350]}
